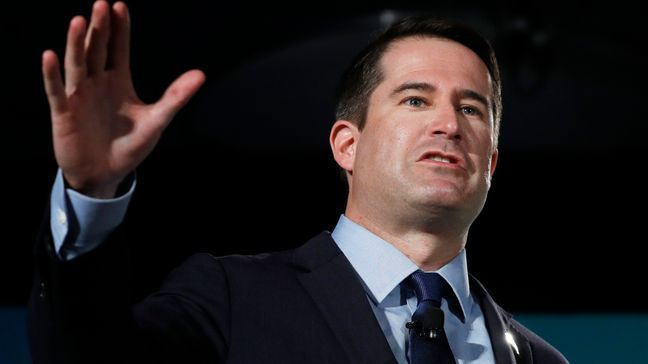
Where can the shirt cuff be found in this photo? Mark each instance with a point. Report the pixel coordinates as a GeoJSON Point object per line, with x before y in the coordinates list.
{"type": "Point", "coordinates": [80, 223]}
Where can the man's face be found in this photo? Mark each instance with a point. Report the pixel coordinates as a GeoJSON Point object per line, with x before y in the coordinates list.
{"type": "Point", "coordinates": [428, 140]}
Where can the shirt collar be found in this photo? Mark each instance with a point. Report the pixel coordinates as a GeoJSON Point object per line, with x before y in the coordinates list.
{"type": "Point", "coordinates": [382, 267]}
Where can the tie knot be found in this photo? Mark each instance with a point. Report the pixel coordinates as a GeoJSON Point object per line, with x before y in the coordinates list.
{"type": "Point", "coordinates": [428, 286]}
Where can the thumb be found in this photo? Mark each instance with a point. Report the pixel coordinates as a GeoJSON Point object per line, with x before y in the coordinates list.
{"type": "Point", "coordinates": [179, 93]}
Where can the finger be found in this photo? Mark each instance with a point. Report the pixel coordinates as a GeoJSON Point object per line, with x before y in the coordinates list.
{"type": "Point", "coordinates": [75, 67]}
{"type": "Point", "coordinates": [96, 41]}
{"type": "Point", "coordinates": [178, 94]}
{"type": "Point", "coordinates": [119, 48]}
{"type": "Point", "coordinates": [54, 87]}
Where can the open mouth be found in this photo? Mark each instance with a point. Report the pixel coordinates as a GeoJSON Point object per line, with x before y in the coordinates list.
{"type": "Point", "coordinates": [438, 158]}
{"type": "Point", "coordinates": [444, 159]}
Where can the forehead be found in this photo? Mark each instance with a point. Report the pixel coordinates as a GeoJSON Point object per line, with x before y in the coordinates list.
{"type": "Point", "coordinates": [439, 61]}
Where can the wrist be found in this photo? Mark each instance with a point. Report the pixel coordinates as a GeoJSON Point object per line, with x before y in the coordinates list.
{"type": "Point", "coordinates": [99, 191]}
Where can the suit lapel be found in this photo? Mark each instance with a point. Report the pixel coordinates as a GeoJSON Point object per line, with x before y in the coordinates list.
{"type": "Point", "coordinates": [498, 324]}
{"type": "Point", "coordinates": [336, 289]}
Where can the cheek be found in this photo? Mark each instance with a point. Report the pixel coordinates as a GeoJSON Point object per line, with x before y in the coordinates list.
{"type": "Point", "coordinates": [481, 157]}
{"type": "Point", "coordinates": [394, 148]}
{"type": "Point", "coordinates": [485, 168]}
{"type": "Point", "coordinates": [369, 153]}
{"type": "Point", "coordinates": [487, 172]}
{"type": "Point", "coordinates": [480, 140]}
{"type": "Point", "coordinates": [389, 147]}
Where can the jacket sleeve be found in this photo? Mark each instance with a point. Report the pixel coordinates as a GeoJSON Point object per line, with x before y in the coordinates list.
{"type": "Point", "coordinates": [80, 311]}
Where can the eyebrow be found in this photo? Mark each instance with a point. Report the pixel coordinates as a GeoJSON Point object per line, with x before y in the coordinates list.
{"type": "Point", "coordinates": [420, 86]}
{"type": "Point", "coordinates": [428, 87]}
{"type": "Point", "coordinates": [474, 95]}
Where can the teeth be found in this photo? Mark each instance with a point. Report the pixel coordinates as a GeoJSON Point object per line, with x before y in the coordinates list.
{"type": "Point", "coordinates": [440, 159]}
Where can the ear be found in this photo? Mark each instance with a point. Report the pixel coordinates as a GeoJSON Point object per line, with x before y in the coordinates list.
{"type": "Point", "coordinates": [343, 140]}
{"type": "Point", "coordinates": [493, 162]}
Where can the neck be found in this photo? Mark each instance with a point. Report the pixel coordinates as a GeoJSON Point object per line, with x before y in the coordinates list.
{"type": "Point", "coordinates": [429, 244]}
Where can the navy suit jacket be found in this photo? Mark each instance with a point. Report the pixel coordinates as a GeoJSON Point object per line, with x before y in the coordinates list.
{"type": "Point", "coordinates": [305, 305]}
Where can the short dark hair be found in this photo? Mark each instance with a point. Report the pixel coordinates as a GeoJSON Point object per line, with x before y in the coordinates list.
{"type": "Point", "coordinates": [364, 73]}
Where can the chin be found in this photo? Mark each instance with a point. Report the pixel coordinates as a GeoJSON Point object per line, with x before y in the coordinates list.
{"type": "Point", "coordinates": [444, 188]}
{"type": "Point", "coordinates": [440, 198]}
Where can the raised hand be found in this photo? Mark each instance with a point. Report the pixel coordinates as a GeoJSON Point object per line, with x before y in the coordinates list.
{"type": "Point", "coordinates": [101, 130]}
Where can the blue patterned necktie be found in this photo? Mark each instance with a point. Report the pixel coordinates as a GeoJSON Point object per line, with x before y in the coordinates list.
{"type": "Point", "coordinates": [428, 340]}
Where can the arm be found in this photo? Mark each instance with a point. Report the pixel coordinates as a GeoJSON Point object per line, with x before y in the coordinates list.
{"type": "Point", "coordinates": [80, 309]}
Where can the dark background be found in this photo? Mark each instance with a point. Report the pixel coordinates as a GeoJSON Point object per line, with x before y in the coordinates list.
{"type": "Point", "coordinates": [246, 168]}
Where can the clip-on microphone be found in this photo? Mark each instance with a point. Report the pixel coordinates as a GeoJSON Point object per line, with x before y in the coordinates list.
{"type": "Point", "coordinates": [430, 323]}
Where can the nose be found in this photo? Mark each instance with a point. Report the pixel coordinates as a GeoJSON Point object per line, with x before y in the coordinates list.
{"type": "Point", "coordinates": [446, 122]}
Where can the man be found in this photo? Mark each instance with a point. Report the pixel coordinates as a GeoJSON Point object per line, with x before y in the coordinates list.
{"type": "Point", "coordinates": [418, 116]}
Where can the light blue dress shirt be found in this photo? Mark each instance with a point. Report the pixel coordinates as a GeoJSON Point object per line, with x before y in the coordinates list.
{"type": "Point", "coordinates": [382, 268]}
{"type": "Point", "coordinates": [85, 220]}
{"type": "Point", "coordinates": [80, 223]}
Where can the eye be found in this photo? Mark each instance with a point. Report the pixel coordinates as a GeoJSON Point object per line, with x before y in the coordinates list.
{"type": "Point", "coordinates": [414, 102]}
{"type": "Point", "coordinates": [471, 111]}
